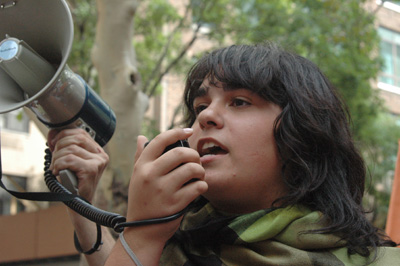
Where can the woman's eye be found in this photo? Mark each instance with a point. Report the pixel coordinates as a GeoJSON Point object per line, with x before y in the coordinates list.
{"type": "Point", "coordinates": [240, 102]}
{"type": "Point", "coordinates": [199, 108]}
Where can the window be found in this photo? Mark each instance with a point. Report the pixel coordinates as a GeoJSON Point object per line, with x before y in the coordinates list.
{"type": "Point", "coordinates": [390, 52]}
{"type": "Point", "coordinates": [392, 5]}
{"type": "Point", "coordinates": [8, 203]}
{"type": "Point", "coordinates": [15, 120]}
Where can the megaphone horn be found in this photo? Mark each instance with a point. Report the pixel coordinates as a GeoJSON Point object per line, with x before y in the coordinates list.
{"type": "Point", "coordinates": [38, 38]}
{"type": "Point", "coordinates": [37, 41]}
{"type": "Point", "coordinates": [34, 73]}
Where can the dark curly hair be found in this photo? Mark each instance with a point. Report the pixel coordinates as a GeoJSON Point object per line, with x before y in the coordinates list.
{"type": "Point", "coordinates": [321, 165]}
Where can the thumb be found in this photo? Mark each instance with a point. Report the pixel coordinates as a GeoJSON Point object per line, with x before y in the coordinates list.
{"type": "Point", "coordinates": [141, 141]}
{"type": "Point", "coordinates": [51, 139]}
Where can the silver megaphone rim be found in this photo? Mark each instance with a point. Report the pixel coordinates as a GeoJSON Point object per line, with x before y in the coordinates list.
{"type": "Point", "coordinates": [47, 26]}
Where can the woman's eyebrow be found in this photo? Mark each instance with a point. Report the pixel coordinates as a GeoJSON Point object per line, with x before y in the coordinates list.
{"type": "Point", "coordinates": [201, 92]}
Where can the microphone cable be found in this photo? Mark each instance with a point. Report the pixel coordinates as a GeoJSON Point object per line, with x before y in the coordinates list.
{"type": "Point", "coordinates": [94, 214]}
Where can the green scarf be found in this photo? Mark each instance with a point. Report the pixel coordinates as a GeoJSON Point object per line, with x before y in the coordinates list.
{"type": "Point", "coordinates": [265, 237]}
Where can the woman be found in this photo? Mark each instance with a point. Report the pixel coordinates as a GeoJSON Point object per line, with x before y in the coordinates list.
{"type": "Point", "coordinates": [273, 166]}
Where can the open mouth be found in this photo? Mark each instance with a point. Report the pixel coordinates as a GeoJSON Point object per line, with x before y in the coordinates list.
{"type": "Point", "coordinates": [211, 148]}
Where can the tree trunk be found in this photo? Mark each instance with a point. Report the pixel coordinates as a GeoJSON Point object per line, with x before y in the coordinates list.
{"type": "Point", "coordinates": [114, 57]}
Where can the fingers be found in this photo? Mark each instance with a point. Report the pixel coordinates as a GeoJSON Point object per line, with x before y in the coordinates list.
{"type": "Point", "coordinates": [78, 161]}
{"type": "Point", "coordinates": [179, 159]}
{"type": "Point", "coordinates": [184, 175]}
{"type": "Point", "coordinates": [141, 141]}
{"type": "Point", "coordinates": [154, 166]}
{"type": "Point", "coordinates": [50, 136]}
{"type": "Point", "coordinates": [161, 141]}
{"type": "Point", "coordinates": [78, 137]}
{"type": "Point", "coordinates": [73, 143]}
{"type": "Point", "coordinates": [191, 191]}
{"type": "Point", "coordinates": [75, 150]}
{"type": "Point", "coordinates": [161, 182]}
{"type": "Point", "coordinates": [183, 185]}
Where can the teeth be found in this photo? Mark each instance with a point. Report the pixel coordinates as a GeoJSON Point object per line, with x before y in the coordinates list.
{"type": "Point", "coordinates": [209, 145]}
{"type": "Point", "coordinates": [210, 148]}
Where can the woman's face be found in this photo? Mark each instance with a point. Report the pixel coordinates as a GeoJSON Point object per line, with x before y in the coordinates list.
{"type": "Point", "coordinates": [233, 134]}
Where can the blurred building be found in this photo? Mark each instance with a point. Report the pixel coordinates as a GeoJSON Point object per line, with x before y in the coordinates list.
{"type": "Point", "coordinates": [40, 234]}
{"type": "Point", "coordinates": [32, 233]}
{"type": "Point", "coordinates": [388, 25]}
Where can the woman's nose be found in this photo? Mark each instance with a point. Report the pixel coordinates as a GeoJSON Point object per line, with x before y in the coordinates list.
{"type": "Point", "coordinates": [211, 117]}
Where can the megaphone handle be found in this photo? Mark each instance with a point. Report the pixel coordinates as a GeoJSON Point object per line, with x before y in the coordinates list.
{"type": "Point", "coordinates": [69, 180]}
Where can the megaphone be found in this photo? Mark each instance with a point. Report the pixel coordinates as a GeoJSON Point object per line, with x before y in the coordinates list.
{"type": "Point", "coordinates": [35, 42]}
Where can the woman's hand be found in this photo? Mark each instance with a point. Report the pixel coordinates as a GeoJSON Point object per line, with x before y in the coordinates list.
{"type": "Point", "coordinates": [75, 150]}
{"type": "Point", "coordinates": [160, 187]}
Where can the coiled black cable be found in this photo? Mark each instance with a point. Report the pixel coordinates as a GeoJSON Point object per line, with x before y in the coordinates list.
{"type": "Point", "coordinates": [94, 214]}
{"type": "Point", "coordinates": [79, 204]}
